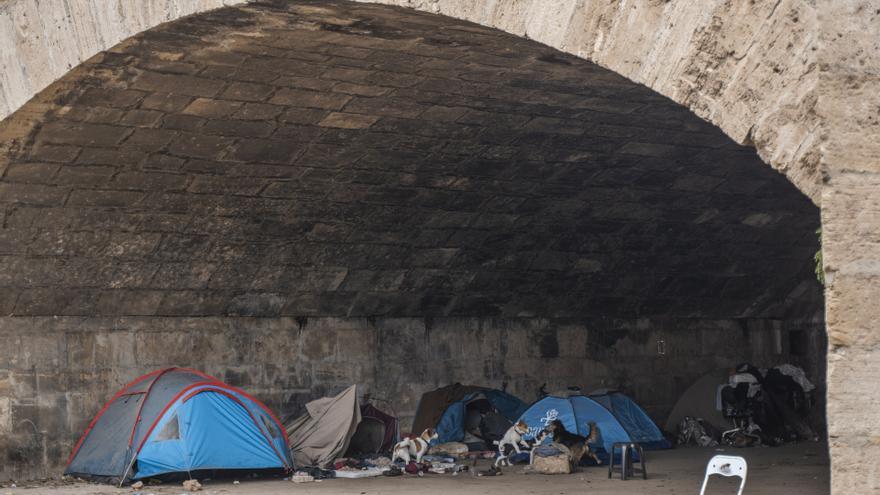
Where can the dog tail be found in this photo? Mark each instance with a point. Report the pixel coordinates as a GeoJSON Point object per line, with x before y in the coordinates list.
{"type": "Point", "coordinates": [594, 432]}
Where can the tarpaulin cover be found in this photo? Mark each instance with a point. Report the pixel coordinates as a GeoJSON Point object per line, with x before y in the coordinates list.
{"type": "Point", "coordinates": [178, 420]}
{"type": "Point", "coordinates": [635, 421]}
{"type": "Point", "coordinates": [321, 435]}
{"type": "Point", "coordinates": [700, 401]}
{"type": "Point", "coordinates": [576, 413]}
{"type": "Point", "coordinates": [451, 427]}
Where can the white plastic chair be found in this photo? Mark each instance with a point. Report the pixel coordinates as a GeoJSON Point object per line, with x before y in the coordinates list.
{"type": "Point", "coordinates": [726, 465]}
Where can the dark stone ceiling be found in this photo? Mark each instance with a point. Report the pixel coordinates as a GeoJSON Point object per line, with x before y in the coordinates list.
{"type": "Point", "coordinates": [327, 158]}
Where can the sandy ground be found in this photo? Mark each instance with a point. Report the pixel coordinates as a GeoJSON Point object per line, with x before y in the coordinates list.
{"type": "Point", "coordinates": [800, 469]}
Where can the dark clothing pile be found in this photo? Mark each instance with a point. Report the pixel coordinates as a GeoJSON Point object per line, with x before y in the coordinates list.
{"type": "Point", "coordinates": [770, 407]}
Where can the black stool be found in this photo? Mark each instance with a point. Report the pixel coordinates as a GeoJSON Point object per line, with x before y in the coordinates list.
{"type": "Point", "coordinates": [626, 461]}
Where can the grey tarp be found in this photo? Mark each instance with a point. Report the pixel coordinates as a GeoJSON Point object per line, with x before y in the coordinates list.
{"type": "Point", "coordinates": [321, 435]}
{"type": "Point", "coordinates": [698, 401]}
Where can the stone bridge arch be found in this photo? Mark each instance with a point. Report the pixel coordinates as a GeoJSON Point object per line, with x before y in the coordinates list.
{"type": "Point", "coordinates": [771, 76]}
{"type": "Point", "coordinates": [749, 68]}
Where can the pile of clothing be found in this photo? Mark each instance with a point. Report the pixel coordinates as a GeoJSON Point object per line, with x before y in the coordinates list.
{"type": "Point", "coordinates": [696, 431]}
{"type": "Point", "coordinates": [769, 406]}
{"type": "Point", "coordinates": [755, 406]}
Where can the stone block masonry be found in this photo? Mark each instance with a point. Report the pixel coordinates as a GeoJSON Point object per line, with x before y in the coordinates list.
{"type": "Point", "coordinates": [384, 174]}
{"type": "Point", "coordinates": [57, 372]}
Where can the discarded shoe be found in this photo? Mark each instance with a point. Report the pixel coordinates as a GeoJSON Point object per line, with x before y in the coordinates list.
{"type": "Point", "coordinates": [492, 471]}
{"type": "Point", "coordinates": [392, 471]}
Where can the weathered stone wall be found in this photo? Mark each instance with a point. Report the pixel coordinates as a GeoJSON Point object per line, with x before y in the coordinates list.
{"type": "Point", "coordinates": [848, 107]}
{"type": "Point", "coordinates": [55, 373]}
{"type": "Point", "coordinates": [42, 40]}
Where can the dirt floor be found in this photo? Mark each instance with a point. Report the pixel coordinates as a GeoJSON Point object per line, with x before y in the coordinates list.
{"type": "Point", "coordinates": [800, 469]}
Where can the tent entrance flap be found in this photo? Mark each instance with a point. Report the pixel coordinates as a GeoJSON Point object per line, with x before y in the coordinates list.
{"type": "Point", "coordinates": [368, 438]}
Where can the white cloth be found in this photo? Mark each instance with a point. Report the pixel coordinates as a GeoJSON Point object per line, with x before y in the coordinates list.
{"type": "Point", "coordinates": [796, 374]}
{"type": "Point", "coordinates": [754, 386]}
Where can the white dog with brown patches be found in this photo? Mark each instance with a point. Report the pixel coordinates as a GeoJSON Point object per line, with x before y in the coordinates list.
{"type": "Point", "coordinates": [513, 438]}
{"type": "Point", "coordinates": [411, 447]}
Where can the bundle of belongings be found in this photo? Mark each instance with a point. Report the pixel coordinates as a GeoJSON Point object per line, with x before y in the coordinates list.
{"type": "Point", "coordinates": [547, 459]}
{"type": "Point", "coordinates": [754, 407]}
{"type": "Point", "coordinates": [767, 406]}
{"type": "Point", "coordinates": [696, 431]}
{"type": "Point", "coordinates": [338, 437]}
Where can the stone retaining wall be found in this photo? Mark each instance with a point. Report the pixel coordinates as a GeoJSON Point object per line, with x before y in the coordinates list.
{"type": "Point", "coordinates": [55, 373]}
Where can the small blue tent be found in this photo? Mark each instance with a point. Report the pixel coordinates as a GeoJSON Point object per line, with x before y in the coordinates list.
{"type": "Point", "coordinates": [178, 420]}
{"type": "Point", "coordinates": [451, 427]}
{"type": "Point", "coordinates": [633, 419]}
{"type": "Point", "coordinates": [576, 412]}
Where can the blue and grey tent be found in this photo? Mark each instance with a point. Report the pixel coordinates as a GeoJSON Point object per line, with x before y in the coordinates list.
{"type": "Point", "coordinates": [576, 412]}
{"type": "Point", "coordinates": [178, 420]}
{"type": "Point", "coordinates": [449, 409]}
{"type": "Point", "coordinates": [634, 419]}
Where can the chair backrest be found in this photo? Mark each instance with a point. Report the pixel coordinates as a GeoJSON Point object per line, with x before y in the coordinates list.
{"type": "Point", "coordinates": [726, 465]}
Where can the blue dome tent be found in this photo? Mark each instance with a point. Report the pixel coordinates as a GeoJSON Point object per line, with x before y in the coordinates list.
{"type": "Point", "coordinates": [633, 419]}
{"type": "Point", "coordinates": [178, 420]}
{"type": "Point", "coordinates": [451, 427]}
{"type": "Point", "coordinates": [576, 412]}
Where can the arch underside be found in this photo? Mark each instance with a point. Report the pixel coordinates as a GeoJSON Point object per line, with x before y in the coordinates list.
{"type": "Point", "coordinates": [388, 163]}
{"type": "Point", "coordinates": [294, 196]}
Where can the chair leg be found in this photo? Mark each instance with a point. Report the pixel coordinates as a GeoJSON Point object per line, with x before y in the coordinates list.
{"type": "Point", "coordinates": [705, 482]}
{"type": "Point", "coordinates": [624, 451]}
{"type": "Point", "coordinates": [642, 461]}
{"type": "Point", "coordinates": [611, 463]}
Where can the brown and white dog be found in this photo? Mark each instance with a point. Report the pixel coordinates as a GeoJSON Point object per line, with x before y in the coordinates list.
{"type": "Point", "coordinates": [574, 445]}
{"type": "Point", "coordinates": [411, 447]}
{"type": "Point", "coordinates": [514, 438]}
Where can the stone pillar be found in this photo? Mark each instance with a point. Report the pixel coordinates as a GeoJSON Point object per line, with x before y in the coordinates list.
{"type": "Point", "coordinates": [849, 108]}
{"type": "Point", "coordinates": [41, 41]}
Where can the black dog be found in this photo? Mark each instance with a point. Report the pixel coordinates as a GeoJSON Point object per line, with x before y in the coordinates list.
{"type": "Point", "coordinates": [576, 446]}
